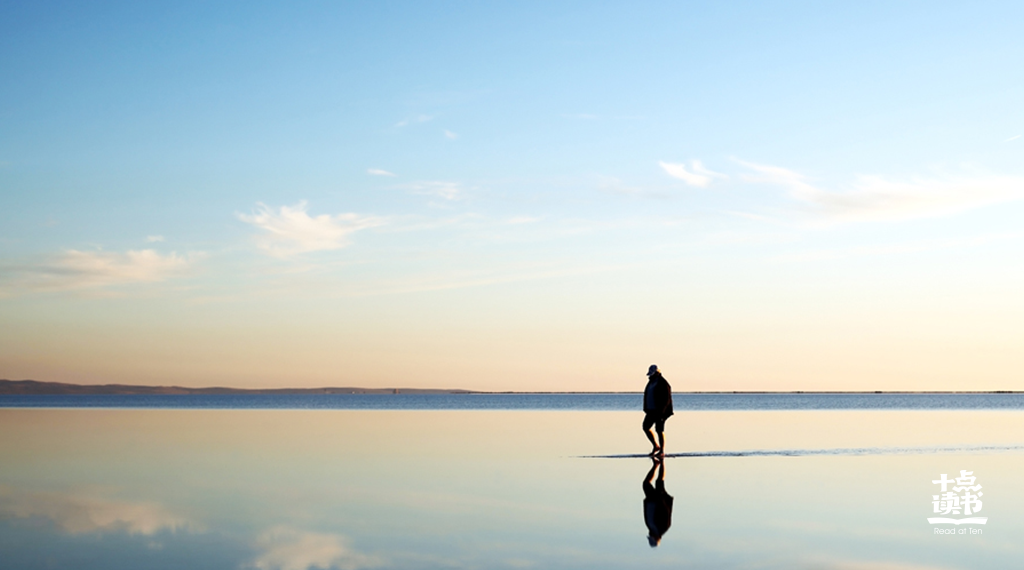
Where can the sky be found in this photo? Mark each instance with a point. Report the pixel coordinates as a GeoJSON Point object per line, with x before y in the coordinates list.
{"type": "Point", "coordinates": [513, 195]}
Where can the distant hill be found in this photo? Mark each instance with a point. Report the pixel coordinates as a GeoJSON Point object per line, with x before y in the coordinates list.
{"type": "Point", "coordinates": [34, 387]}
{"type": "Point", "coordinates": [60, 388]}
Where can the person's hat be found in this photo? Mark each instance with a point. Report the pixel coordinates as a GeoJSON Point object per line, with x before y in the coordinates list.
{"type": "Point", "coordinates": [652, 369]}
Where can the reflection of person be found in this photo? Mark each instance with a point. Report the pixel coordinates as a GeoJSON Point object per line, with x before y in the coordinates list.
{"type": "Point", "coordinates": [657, 504]}
{"type": "Point", "coordinates": [657, 407]}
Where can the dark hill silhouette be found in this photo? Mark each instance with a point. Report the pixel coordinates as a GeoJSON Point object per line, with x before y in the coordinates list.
{"type": "Point", "coordinates": [27, 387]}
{"type": "Point", "coordinates": [34, 387]}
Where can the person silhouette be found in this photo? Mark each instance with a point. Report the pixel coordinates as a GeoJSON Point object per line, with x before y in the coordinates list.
{"type": "Point", "coordinates": [657, 504]}
{"type": "Point", "coordinates": [657, 408]}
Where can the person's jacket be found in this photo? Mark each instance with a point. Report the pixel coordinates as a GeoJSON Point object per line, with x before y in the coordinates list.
{"type": "Point", "coordinates": [661, 394]}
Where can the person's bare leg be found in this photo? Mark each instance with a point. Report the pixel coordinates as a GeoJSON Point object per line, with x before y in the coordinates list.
{"type": "Point", "coordinates": [650, 436]}
{"type": "Point", "coordinates": [650, 474]}
{"type": "Point", "coordinates": [661, 442]}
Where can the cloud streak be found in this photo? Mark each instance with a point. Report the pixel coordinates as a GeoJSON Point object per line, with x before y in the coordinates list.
{"type": "Point", "coordinates": [290, 230]}
{"type": "Point", "coordinates": [75, 269]}
{"type": "Point", "coordinates": [871, 565]}
{"type": "Point", "coordinates": [893, 249]}
{"type": "Point", "coordinates": [379, 172]}
{"type": "Point", "coordinates": [877, 199]}
{"type": "Point", "coordinates": [440, 189]}
{"type": "Point", "coordinates": [77, 514]}
{"type": "Point", "coordinates": [283, 548]}
{"type": "Point", "coordinates": [616, 186]}
{"type": "Point", "coordinates": [414, 120]}
{"type": "Point", "coordinates": [697, 175]}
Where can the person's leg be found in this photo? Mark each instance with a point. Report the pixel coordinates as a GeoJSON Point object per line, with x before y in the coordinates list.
{"type": "Point", "coordinates": [650, 474]}
{"type": "Point", "coordinates": [648, 422]}
{"type": "Point", "coordinates": [660, 427]}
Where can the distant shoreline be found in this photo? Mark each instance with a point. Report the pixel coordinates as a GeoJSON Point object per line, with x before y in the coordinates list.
{"type": "Point", "coordinates": [33, 387]}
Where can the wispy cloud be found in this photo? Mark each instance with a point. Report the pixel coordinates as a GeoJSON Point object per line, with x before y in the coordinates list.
{"type": "Point", "coordinates": [290, 230]}
{"type": "Point", "coordinates": [79, 514]}
{"type": "Point", "coordinates": [1013, 138]}
{"type": "Point", "coordinates": [616, 186]}
{"type": "Point", "coordinates": [523, 220]}
{"type": "Point", "coordinates": [450, 135]}
{"type": "Point", "coordinates": [446, 190]}
{"type": "Point", "coordinates": [893, 249]}
{"type": "Point", "coordinates": [873, 198]}
{"type": "Point", "coordinates": [755, 217]}
{"type": "Point", "coordinates": [154, 239]}
{"type": "Point", "coordinates": [469, 279]}
{"type": "Point", "coordinates": [75, 269]}
{"type": "Point", "coordinates": [379, 172]}
{"type": "Point", "coordinates": [593, 117]}
{"type": "Point", "coordinates": [414, 120]}
{"type": "Point", "coordinates": [284, 548]}
{"type": "Point", "coordinates": [697, 175]}
{"type": "Point", "coordinates": [418, 224]}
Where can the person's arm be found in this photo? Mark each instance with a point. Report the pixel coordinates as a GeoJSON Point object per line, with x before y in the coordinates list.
{"type": "Point", "coordinates": [664, 397]}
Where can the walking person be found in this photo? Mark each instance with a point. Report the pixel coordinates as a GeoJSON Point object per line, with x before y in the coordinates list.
{"type": "Point", "coordinates": [657, 408]}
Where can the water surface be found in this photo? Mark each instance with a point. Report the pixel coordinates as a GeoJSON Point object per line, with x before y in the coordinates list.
{"type": "Point", "coordinates": [620, 401]}
{"type": "Point", "coordinates": [410, 489]}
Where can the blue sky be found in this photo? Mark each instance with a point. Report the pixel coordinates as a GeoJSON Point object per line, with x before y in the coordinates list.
{"type": "Point", "coordinates": [513, 195]}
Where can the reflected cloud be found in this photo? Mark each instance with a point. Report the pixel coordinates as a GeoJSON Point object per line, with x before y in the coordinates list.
{"type": "Point", "coordinates": [285, 548]}
{"type": "Point", "coordinates": [866, 565]}
{"type": "Point", "coordinates": [80, 514]}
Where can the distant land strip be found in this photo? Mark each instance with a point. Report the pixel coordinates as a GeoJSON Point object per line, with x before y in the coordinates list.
{"type": "Point", "coordinates": [61, 388]}
{"type": "Point", "coordinates": [30, 387]}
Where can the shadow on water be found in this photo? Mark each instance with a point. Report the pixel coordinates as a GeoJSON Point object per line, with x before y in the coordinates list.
{"type": "Point", "coordinates": [835, 451]}
{"type": "Point", "coordinates": [657, 504]}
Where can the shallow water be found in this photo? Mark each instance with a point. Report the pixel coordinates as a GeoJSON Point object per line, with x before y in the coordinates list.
{"type": "Point", "coordinates": [100, 488]}
{"type": "Point", "coordinates": [563, 401]}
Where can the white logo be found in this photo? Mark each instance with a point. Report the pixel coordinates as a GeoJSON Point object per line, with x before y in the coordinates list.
{"type": "Point", "coordinates": [950, 503]}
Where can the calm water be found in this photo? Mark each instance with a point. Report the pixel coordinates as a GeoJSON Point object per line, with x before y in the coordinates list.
{"type": "Point", "coordinates": [527, 401]}
{"type": "Point", "coordinates": [842, 489]}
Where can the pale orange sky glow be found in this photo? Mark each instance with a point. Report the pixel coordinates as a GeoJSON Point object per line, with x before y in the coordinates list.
{"type": "Point", "coordinates": [548, 198]}
{"type": "Point", "coordinates": [819, 326]}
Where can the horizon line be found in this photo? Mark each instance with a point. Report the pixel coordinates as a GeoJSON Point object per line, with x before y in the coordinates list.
{"type": "Point", "coordinates": [36, 387]}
